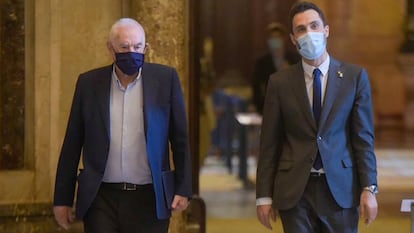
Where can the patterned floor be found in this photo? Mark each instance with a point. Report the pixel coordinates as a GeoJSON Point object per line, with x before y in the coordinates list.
{"type": "Point", "coordinates": [396, 169]}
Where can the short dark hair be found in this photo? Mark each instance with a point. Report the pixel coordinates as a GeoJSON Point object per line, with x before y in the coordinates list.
{"type": "Point", "coordinates": [300, 7]}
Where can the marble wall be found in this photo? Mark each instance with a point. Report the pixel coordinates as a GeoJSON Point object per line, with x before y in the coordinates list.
{"type": "Point", "coordinates": [12, 89]}
{"type": "Point", "coordinates": [166, 25]}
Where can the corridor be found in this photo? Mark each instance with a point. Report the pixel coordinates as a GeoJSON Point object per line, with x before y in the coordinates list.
{"type": "Point", "coordinates": [230, 208]}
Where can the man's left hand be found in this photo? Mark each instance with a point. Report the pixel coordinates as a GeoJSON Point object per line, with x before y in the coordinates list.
{"type": "Point", "coordinates": [179, 203]}
{"type": "Point", "coordinates": [369, 207]}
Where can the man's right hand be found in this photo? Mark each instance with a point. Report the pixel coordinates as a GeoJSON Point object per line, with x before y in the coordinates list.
{"type": "Point", "coordinates": [264, 214]}
{"type": "Point", "coordinates": [64, 216]}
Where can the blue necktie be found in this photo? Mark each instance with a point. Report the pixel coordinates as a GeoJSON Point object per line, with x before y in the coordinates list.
{"type": "Point", "coordinates": [317, 108]}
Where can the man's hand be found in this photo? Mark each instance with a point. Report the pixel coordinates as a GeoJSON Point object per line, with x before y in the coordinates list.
{"type": "Point", "coordinates": [369, 207]}
{"type": "Point", "coordinates": [64, 216]}
{"type": "Point", "coordinates": [264, 214]}
{"type": "Point", "coordinates": [179, 203]}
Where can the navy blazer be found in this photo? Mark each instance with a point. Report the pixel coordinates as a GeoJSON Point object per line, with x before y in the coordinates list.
{"type": "Point", "coordinates": [290, 137]}
{"type": "Point", "coordinates": [88, 127]}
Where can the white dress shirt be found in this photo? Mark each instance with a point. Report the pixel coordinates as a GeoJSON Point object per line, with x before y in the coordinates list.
{"type": "Point", "coordinates": [127, 157]}
{"type": "Point", "coordinates": [308, 74]}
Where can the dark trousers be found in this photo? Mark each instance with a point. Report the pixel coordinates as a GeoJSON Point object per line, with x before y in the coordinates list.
{"type": "Point", "coordinates": [318, 212]}
{"type": "Point", "coordinates": [118, 211]}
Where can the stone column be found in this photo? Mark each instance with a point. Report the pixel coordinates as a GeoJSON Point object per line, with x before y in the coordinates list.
{"type": "Point", "coordinates": [166, 26]}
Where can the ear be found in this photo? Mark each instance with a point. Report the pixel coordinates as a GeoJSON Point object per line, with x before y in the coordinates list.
{"type": "Point", "coordinates": [293, 40]}
{"type": "Point", "coordinates": [327, 31]}
{"type": "Point", "coordinates": [111, 50]}
{"type": "Point", "coordinates": [109, 45]}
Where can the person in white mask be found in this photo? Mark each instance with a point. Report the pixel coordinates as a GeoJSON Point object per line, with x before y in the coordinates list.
{"type": "Point", "coordinates": [316, 164]}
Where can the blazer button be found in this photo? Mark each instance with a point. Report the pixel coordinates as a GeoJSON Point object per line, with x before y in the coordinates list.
{"type": "Point", "coordinates": [319, 138]}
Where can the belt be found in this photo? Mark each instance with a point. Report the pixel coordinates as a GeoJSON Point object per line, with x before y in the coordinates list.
{"type": "Point", "coordinates": [317, 174]}
{"type": "Point", "coordinates": [125, 186]}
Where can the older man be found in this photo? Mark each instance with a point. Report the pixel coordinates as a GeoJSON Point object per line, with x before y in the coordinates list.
{"type": "Point", "coordinates": [124, 118]}
{"type": "Point", "coordinates": [317, 165]}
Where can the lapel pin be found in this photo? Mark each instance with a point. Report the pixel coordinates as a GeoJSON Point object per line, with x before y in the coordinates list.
{"type": "Point", "coordinates": [340, 74]}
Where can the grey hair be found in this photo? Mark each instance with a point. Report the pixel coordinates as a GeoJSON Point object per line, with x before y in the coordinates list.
{"type": "Point", "coordinates": [123, 22]}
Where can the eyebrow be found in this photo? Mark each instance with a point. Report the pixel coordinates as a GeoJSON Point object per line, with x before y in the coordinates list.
{"type": "Point", "coordinates": [302, 25]}
{"type": "Point", "coordinates": [127, 44]}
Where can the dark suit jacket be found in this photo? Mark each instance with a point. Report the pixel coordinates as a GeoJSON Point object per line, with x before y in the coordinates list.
{"type": "Point", "coordinates": [290, 138]}
{"type": "Point", "coordinates": [88, 132]}
{"type": "Point", "coordinates": [263, 68]}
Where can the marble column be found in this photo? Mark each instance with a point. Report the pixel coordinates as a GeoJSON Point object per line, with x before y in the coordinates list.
{"type": "Point", "coordinates": [166, 26]}
{"type": "Point", "coordinates": [12, 78]}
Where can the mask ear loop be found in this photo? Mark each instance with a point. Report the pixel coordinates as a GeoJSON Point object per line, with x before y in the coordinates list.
{"type": "Point", "coordinates": [297, 44]}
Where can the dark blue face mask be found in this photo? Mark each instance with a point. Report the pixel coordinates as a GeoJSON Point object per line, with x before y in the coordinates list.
{"type": "Point", "coordinates": [130, 62]}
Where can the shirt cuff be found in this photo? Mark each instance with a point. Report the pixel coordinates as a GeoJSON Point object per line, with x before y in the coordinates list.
{"type": "Point", "coordinates": [264, 201]}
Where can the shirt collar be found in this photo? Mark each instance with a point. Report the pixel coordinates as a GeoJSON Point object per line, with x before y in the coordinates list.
{"type": "Point", "coordinates": [116, 79]}
{"type": "Point", "coordinates": [323, 67]}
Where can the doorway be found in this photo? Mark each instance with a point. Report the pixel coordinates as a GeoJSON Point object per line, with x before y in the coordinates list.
{"type": "Point", "coordinates": [226, 38]}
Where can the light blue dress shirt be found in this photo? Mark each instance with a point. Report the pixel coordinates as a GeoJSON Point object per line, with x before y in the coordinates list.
{"type": "Point", "coordinates": [127, 158]}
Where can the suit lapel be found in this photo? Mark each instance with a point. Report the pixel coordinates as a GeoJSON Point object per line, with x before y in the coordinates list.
{"type": "Point", "coordinates": [102, 91]}
{"type": "Point", "coordinates": [299, 89]}
{"type": "Point", "coordinates": [335, 77]}
{"type": "Point", "coordinates": [149, 86]}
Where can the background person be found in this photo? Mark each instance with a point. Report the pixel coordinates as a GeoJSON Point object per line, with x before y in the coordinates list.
{"type": "Point", "coordinates": [277, 58]}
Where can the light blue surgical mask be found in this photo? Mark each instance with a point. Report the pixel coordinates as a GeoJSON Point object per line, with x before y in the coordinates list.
{"type": "Point", "coordinates": [275, 43]}
{"type": "Point", "coordinates": [312, 45]}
